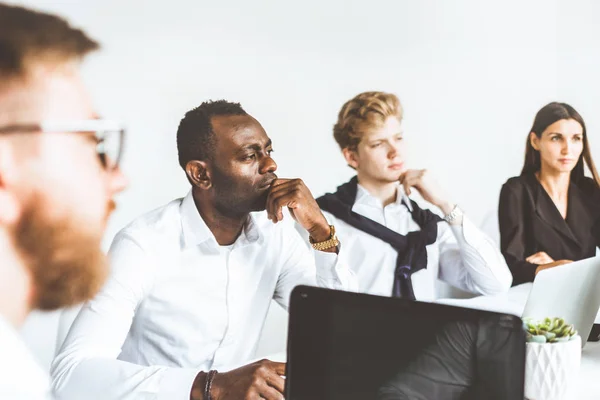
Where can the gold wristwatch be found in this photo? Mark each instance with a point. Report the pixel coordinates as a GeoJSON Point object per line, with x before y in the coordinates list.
{"type": "Point", "coordinates": [326, 244]}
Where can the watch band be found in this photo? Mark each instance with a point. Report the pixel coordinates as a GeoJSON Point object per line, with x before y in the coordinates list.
{"type": "Point", "coordinates": [454, 214]}
{"type": "Point", "coordinates": [326, 244]}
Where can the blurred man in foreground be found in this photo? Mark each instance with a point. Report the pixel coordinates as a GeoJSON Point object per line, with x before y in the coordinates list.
{"type": "Point", "coordinates": [58, 174]}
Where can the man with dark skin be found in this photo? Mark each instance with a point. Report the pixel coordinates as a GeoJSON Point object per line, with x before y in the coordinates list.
{"type": "Point", "coordinates": [200, 274]}
{"type": "Point", "coordinates": [247, 182]}
{"type": "Point", "coordinates": [246, 173]}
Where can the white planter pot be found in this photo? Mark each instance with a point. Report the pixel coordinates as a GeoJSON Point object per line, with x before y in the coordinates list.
{"type": "Point", "coordinates": [551, 369]}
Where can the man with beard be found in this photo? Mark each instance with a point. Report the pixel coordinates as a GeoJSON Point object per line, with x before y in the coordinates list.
{"type": "Point", "coordinates": [193, 280]}
{"type": "Point", "coordinates": [58, 171]}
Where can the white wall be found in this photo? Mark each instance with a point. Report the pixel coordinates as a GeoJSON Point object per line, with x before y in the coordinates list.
{"type": "Point", "coordinates": [471, 75]}
{"type": "Point", "coordinates": [578, 38]}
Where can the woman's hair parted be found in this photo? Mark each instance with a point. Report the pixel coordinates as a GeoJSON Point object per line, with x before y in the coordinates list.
{"type": "Point", "coordinates": [364, 111]}
{"type": "Point", "coordinates": [545, 117]}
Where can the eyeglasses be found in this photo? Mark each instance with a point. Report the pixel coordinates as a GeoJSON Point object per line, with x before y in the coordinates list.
{"type": "Point", "coordinates": [109, 136]}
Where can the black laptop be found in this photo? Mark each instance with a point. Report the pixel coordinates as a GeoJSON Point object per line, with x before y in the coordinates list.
{"type": "Point", "coordinates": [350, 346]}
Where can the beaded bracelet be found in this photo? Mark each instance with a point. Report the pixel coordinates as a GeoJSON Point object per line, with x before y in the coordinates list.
{"type": "Point", "coordinates": [209, 380]}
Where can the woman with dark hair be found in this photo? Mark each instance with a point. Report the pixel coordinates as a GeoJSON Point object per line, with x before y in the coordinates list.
{"type": "Point", "coordinates": [550, 214]}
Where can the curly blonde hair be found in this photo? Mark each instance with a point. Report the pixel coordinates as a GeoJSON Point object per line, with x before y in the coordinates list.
{"type": "Point", "coordinates": [366, 110]}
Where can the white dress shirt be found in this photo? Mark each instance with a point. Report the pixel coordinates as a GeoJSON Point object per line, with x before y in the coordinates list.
{"type": "Point", "coordinates": [178, 303]}
{"type": "Point", "coordinates": [21, 377]}
{"type": "Point", "coordinates": [462, 255]}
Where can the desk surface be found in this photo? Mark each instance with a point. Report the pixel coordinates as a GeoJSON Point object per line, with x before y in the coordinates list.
{"type": "Point", "coordinates": [511, 302]}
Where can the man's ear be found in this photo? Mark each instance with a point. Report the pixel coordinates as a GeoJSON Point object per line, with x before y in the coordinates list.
{"type": "Point", "coordinates": [351, 157]}
{"type": "Point", "coordinates": [198, 174]}
{"type": "Point", "coordinates": [534, 140]}
{"type": "Point", "coordinates": [10, 207]}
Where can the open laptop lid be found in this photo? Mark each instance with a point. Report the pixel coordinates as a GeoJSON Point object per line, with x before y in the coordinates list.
{"type": "Point", "coordinates": [347, 346]}
{"type": "Point", "coordinates": [570, 291]}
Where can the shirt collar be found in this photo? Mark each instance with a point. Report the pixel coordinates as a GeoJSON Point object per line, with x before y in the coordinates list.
{"type": "Point", "coordinates": [195, 230]}
{"type": "Point", "coordinates": [364, 197]}
{"type": "Point", "coordinates": [251, 233]}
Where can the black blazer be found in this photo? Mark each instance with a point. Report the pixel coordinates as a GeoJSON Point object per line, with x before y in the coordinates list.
{"type": "Point", "coordinates": [530, 222]}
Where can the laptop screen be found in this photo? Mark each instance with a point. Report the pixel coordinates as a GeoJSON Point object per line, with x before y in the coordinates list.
{"type": "Point", "coordinates": [350, 346]}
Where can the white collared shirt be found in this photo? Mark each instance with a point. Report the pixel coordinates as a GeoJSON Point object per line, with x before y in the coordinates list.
{"type": "Point", "coordinates": [462, 255]}
{"type": "Point", "coordinates": [178, 303]}
{"type": "Point", "coordinates": [21, 377]}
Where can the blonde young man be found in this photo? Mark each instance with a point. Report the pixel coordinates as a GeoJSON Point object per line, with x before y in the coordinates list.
{"type": "Point", "coordinates": [58, 174]}
{"type": "Point", "coordinates": [394, 246]}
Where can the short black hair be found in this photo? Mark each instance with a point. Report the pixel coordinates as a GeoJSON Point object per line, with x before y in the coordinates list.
{"type": "Point", "coordinates": [195, 135]}
{"type": "Point", "coordinates": [29, 37]}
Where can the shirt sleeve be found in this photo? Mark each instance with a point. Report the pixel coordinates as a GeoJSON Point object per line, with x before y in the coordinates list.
{"type": "Point", "coordinates": [305, 266]}
{"type": "Point", "coordinates": [513, 237]}
{"type": "Point", "coordinates": [87, 366]}
{"type": "Point", "coordinates": [470, 260]}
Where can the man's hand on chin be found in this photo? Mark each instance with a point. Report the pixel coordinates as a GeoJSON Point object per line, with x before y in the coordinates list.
{"type": "Point", "coordinates": [295, 195]}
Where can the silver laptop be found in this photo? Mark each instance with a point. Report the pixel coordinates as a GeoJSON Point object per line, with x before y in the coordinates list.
{"type": "Point", "coordinates": [571, 291]}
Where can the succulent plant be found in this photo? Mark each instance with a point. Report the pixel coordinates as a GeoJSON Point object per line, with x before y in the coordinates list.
{"type": "Point", "coordinates": [548, 330]}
